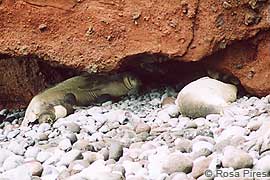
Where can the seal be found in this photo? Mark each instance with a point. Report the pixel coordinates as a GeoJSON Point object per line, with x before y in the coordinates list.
{"type": "Point", "coordinates": [84, 90]}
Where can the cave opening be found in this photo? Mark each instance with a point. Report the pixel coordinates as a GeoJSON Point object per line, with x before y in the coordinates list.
{"type": "Point", "coordinates": [158, 70]}
{"type": "Point", "coordinates": [23, 77]}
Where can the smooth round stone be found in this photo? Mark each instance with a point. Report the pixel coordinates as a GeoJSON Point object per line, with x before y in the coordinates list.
{"type": "Point", "coordinates": [72, 127]}
{"type": "Point", "coordinates": [155, 102]}
{"type": "Point", "coordinates": [43, 156]}
{"type": "Point", "coordinates": [110, 162]}
{"type": "Point", "coordinates": [133, 168]}
{"type": "Point", "coordinates": [43, 136]}
{"type": "Point", "coordinates": [173, 122]}
{"type": "Point", "coordinates": [230, 132]}
{"type": "Point", "coordinates": [83, 145]}
{"type": "Point", "coordinates": [119, 169]}
{"type": "Point", "coordinates": [166, 101]}
{"type": "Point", "coordinates": [142, 127]}
{"type": "Point", "coordinates": [19, 173]}
{"type": "Point", "coordinates": [172, 110]}
{"type": "Point", "coordinates": [70, 156]}
{"type": "Point", "coordinates": [179, 176]}
{"type": "Point", "coordinates": [190, 124]}
{"type": "Point", "coordinates": [78, 165]}
{"type": "Point", "coordinates": [35, 167]}
{"type": "Point", "coordinates": [163, 116]}
{"type": "Point", "coordinates": [4, 154]}
{"type": "Point", "coordinates": [236, 158]}
{"type": "Point", "coordinates": [43, 127]}
{"type": "Point", "coordinates": [105, 152]}
{"type": "Point", "coordinates": [177, 163]}
{"type": "Point", "coordinates": [64, 175]}
{"type": "Point", "coordinates": [263, 164]}
{"type": "Point", "coordinates": [49, 171]}
{"type": "Point", "coordinates": [12, 162]}
{"type": "Point", "coordinates": [183, 145]}
{"type": "Point", "coordinates": [71, 136]}
{"type": "Point", "coordinates": [254, 125]}
{"type": "Point", "coordinates": [203, 152]}
{"type": "Point", "coordinates": [205, 96]}
{"type": "Point", "coordinates": [115, 151]}
{"type": "Point", "coordinates": [99, 171]}
{"type": "Point", "coordinates": [213, 117]}
{"type": "Point", "coordinates": [198, 146]}
{"type": "Point", "coordinates": [105, 128]}
{"type": "Point", "coordinates": [16, 148]}
{"type": "Point", "coordinates": [200, 165]}
{"type": "Point", "coordinates": [54, 134]}
{"type": "Point", "coordinates": [92, 156]}
{"type": "Point", "coordinates": [65, 144]}
{"type": "Point", "coordinates": [13, 133]}
{"type": "Point", "coordinates": [225, 121]}
{"type": "Point", "coordinates": [31, 152]}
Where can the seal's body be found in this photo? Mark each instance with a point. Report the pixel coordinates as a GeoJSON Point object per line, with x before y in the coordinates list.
{"type": "Point", "coordinates": [58, 101]}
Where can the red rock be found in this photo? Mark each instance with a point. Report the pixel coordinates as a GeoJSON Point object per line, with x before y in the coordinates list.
{"type": "Point", "coordinates": [99, 36]}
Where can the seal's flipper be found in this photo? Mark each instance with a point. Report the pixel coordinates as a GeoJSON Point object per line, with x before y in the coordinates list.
{"type": "Point", "coordinates": [103, 98]}
{"type": "Point", "coordinates": [46, 117]}
{"type": "Point", "coordinates": [70, 98]}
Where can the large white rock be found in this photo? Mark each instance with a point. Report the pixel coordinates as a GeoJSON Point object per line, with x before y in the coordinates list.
{"type": "Point", "coordinates": [205, 96]}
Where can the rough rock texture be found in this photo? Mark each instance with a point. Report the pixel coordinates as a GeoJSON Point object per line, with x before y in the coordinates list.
{"type": "Point", "coordinates": [100, 35]}
{"type": "Point", "coordinates": [249, 61]}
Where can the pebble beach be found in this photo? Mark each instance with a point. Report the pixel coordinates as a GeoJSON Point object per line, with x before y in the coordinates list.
{"type": "Point", "coordinates": [142, 137]}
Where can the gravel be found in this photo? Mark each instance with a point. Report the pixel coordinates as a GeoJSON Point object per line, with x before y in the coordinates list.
{"type": "Point", "coordinates": [138, 137]}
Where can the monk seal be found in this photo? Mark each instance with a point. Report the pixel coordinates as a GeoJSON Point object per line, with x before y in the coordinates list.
{"type": "Point", "coordinates": [58, 101]}
{"type": "Point", "coordinates": [205, 96]}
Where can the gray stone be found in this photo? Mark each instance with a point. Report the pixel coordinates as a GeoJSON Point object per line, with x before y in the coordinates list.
{"type": "Point", "coordinates": [115, 151]}
{"type": "Point", "coordinates": [105, 152]}
{"type": "Point", "coordinates": [83, 145]}
{"type": "Point", "coordinates": [12, 162]}
{"type": "Point", "coordinates": [183, 145]}
{"type": "Point", "coordinates": [34, 167]}
{"type": "Point", "coordinates": [65, 144]}
{"type": "Point", "coordinates": [200, 165]}
{"type": "Point", "coordinates": [4, 154]}
{"type": "Point", "coordinates": [142, 127]}
{"type": "Point", "coordinates": [92, 156]}
{"type": "Point", "coordinates": [32, 152]}
{"type": "Point", "coordinates": [70, 156]}
{"type": "Point", "coordinates": [236, 158]}
{"type": "Point", "coordinates": [19, 173]}
{"type": "Point", "coordinates": [13, 133]}
{"type": "Point", "coordinates": [72, 127]}
{"type": "Point", "coordinates": [172, 110]}
{"type": "Point", "coordinates": [179, 176]}
{"type": "Point", "coordinates": [177, 163]}
{"type": "Point", "coordinates": [43, 156]}
{"type": "Point", "coordinates": [205, 96]}
{"type": "Point", "coordinates": [16, 147]}
{"type": "Point", "coordinates": [263, 164]}
{"type": "Point", "coordinates": [78, 165]}
{"type": "Point", "coordinates": [198, 146]}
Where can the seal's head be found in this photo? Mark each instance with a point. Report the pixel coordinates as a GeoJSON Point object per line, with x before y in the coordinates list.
{"type": "Point", "coordinates": [43, 112]}
{"type": "Point", "coordinates": [131, 82]}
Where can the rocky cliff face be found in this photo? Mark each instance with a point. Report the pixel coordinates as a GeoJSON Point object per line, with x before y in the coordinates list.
{"type": "Point", "coordinates": [99, 35]}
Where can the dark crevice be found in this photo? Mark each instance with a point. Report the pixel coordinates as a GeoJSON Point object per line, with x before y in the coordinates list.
{"type": "Point", "coordinates": [156, 70]}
